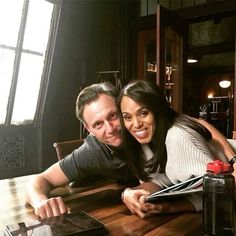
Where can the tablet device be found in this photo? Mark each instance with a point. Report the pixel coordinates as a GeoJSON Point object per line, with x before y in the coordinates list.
{"type": "Point", "coordinates": [79, 223]}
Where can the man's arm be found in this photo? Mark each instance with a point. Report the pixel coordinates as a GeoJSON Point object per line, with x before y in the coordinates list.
{"type": "Point", "coordinates": [38, 192]}
{"type": "Point", "coordinates": [219, 138]}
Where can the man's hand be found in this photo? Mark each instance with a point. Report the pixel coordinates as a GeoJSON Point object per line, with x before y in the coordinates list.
{"type": "Point", "coordinates": [234, 172]}
{"type": "Point", "coordinates": [39, 189]}
{"type": "Point", "coordinates": [50, 207]}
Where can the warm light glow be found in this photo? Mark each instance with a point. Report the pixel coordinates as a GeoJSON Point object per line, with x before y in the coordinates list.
{"type": "Point", "coordinates": [225, 83]}
{"type": "Point", "coordinates": [210, 95]}
{"type": "Point", "coordinates": [192, 60]}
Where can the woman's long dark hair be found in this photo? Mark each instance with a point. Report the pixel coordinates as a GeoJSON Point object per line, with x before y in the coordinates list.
{"type": "Point", "coordinates": [153, 98]}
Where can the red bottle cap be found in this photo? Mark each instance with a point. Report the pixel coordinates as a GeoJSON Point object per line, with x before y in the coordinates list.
{"type": "Point", "coordinates": [218, 167]}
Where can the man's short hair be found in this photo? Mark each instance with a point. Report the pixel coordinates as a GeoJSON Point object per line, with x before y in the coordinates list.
{"type": "Point", "coordinates": [91, 93]}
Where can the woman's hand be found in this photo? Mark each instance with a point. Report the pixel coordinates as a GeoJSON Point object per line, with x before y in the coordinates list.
{"type": "Point", "coordinates": [175, 205]}
{"type": "Point", "coordinates": [135, 201]}
{"type": "Point", "coordinates": [135, 198]}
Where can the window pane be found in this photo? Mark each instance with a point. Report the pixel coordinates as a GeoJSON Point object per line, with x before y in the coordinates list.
{"type": "Point", "coordinates": [6, 69]}
{"type": "Point", "coordinates": [27, 88]}
{"type": "Point", "coordinates": [10, 18]}
{"type": "Point", "coordinates": [38, 25]}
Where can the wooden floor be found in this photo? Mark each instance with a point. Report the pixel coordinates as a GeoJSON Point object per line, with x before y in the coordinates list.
{"type": "Point", "coordinates": [103, 203]}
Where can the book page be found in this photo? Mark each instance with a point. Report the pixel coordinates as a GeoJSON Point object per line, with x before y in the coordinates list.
{"type": "Point", "coordinates": [186, 187]}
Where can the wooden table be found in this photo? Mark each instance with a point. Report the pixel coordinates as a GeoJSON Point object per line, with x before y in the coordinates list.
{"type": "Point", "coordinates": [104, 203]}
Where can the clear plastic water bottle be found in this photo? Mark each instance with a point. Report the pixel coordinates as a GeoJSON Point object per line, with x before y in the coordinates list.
{"type": "Point", "coordinates": [218, 199]}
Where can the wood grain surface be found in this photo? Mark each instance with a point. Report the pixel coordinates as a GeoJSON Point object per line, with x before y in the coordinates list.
{"type": "Point", "coordinates": [103, 202]}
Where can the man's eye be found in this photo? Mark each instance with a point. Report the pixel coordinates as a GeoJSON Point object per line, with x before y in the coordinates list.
{"type": "Point", "coordinates": [98, 125]}
{"type": "Point", "coordinates": [114, 116]}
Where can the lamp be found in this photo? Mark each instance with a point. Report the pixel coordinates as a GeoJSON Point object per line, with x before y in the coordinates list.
{"type": "Point", "coordinates": [225, 83]}
{"type": "Point", "coordinates": [191, 60]}
{"type": "Point", "coordinates": [192, 57]}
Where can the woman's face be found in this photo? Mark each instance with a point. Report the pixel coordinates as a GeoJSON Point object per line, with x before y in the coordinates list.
{"type": "Point", "coordinates": [138, 120]}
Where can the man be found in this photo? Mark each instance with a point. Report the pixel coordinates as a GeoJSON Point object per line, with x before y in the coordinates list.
{"type": "Point", "coordinates": [100, 154]}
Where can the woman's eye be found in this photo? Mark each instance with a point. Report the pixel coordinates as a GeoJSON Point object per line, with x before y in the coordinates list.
{"type": "Point", "coordinates": [144, 113]}
{"type": "Point", "coordinates": [127, 118]}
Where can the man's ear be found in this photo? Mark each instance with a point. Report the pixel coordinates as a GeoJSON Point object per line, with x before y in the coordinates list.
{"type": "Point", "coordinates": [88, 129]}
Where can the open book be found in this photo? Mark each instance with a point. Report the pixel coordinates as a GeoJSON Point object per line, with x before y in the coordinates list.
{"type": "Point", "coordinates": [191, 185]}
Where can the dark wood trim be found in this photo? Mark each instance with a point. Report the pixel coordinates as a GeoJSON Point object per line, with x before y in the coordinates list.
{"type": "Point", "coordinates": [214, 48]}
{"type": "Point", "coordinates": [234, 108]}
{"type": "Point", "coordinates": [146, 22]}
{"type": "Point", "coordinates": [212, 70]}
{"type": "Point", "coordinates": [210, 10]}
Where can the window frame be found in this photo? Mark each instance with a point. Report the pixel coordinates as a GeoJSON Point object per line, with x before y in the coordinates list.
{"type": "Point", "coordinates": [46, 67]}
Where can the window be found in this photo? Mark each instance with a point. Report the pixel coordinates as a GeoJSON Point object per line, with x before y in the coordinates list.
{"type": "Point", "coordinates": [24, 33]}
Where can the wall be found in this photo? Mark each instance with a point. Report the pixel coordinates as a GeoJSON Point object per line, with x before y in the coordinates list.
{"type": "Point", "coordinates": [217, 63]}
{"type": "Point", "coordinates": [93, 36]}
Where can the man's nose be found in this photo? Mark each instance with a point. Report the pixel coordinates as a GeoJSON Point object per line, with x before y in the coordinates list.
{"type": "Point", "coordinates": [109, 126]}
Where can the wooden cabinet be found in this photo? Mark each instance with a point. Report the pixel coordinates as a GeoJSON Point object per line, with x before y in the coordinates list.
{"type": "Point", "coordinates": [147, 54]}
{"type": "Point", "coordinates": [160, 54]}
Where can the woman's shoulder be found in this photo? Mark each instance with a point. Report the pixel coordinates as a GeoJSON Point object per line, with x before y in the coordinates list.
{"type": "Point", "coordinates": [179, 133]}
{"type": "Point", "coordinates": [176, 130]}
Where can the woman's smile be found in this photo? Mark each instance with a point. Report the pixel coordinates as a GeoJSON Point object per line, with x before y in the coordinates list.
{"type": "Point", "coordinates": [138, 120]}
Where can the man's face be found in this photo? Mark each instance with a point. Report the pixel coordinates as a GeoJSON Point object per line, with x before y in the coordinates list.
{"type": "Point", "coordinates": [102, 120]}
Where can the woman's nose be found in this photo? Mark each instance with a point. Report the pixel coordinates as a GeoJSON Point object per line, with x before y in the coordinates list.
{"type": "Point", "coordinates": [136, 122]}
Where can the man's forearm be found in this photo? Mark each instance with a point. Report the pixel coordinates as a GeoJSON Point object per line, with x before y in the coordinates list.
{"type": "Point", "coordinates": [38, 190]}
{"type": "Point", "coordinates": [219, 138]}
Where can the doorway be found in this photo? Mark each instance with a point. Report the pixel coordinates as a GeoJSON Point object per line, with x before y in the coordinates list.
{"type": "Point", "coordinates": [212, 43]}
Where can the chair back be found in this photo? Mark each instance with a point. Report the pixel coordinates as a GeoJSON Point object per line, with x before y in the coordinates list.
{"type": "Point", "coordinates": [66, 147]}
{"type": "Point", "coordinates": [234, 135]}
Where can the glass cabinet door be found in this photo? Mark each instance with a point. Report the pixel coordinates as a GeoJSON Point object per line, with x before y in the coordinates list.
{"type": "Point", "coordinates": [170, 37]}
{"type": "Point", "coordinates": [150, 61]}
{"type": "Point", "coordinates": [173, 68]}
{"type": "Point", "coordinates": [160, 55]}
{"type": "Point", "coordinates": [147, 54]}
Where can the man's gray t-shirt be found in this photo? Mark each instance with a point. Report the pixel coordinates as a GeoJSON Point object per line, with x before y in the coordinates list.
{"type": "Point", "coordinates": [94, 157]}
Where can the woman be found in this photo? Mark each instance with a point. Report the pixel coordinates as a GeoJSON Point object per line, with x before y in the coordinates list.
{"type": "Point", "coordinates": [164, 148]}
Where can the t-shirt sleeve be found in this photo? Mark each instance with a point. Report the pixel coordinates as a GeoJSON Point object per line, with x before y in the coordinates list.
{"type": "Point", "coordinates": [80, 163]}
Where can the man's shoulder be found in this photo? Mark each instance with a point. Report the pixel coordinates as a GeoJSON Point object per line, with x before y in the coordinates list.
{"type": "Point", "coordinates": [92, 142]}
